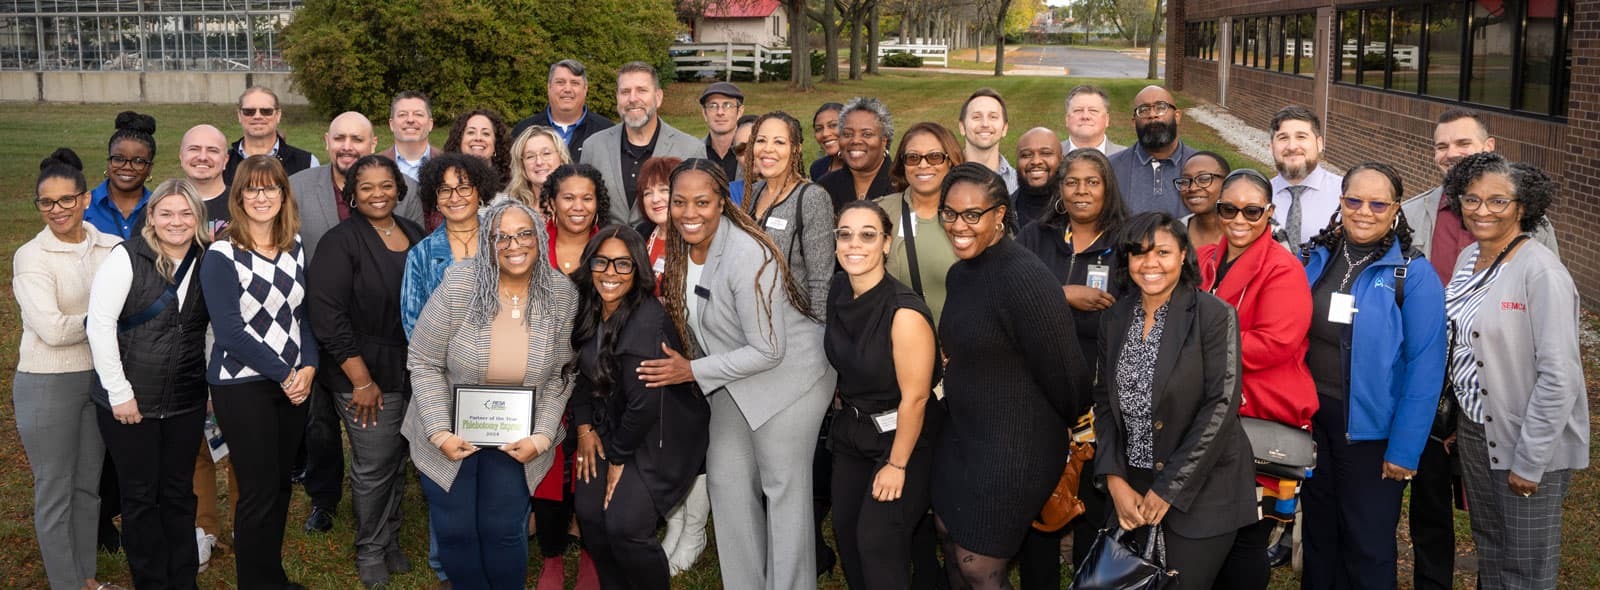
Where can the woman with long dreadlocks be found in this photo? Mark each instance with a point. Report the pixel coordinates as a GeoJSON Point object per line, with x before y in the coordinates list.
{"type": "Point", "coordinates": [752, 343]}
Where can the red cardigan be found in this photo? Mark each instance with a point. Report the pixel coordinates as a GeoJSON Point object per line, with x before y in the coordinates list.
{"type": "Point", "coordinates": [1268, 287]}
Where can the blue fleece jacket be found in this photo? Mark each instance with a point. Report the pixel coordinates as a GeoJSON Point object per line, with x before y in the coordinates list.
{"type": "Point", "coordinates": [1394, 357]}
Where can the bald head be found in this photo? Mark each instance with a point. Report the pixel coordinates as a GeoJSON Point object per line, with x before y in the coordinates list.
{"type": "Point", "coordinates": [1150, 94]}
{"type": "Point", "coordinates": [1155, 120]}
{"type": "Point", "coordinates": [350, 136]}
{"type": "Point", "coordinates": [1038, 134]}
{"type": "Point", "coordinates": [203, 153]}
{"type": "Point", "coordinates": [1038, 156]}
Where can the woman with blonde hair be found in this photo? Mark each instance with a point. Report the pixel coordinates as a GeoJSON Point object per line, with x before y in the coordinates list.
{"type": "Point", "coordinates": [538, 151]}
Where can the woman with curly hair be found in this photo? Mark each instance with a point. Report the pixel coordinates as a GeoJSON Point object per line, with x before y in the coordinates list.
{"type": "Point", "coordinates": [1376, 401]}
{"type": "Point", "coordinates": [453, 187]}
{"type": "Point", "coordinates": [482, 133]}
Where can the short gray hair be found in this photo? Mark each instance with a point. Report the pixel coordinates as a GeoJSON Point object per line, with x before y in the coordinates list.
{"type": "Point", "coordinates": [874, 106]}
{"type": "Point", "coordinates": [571, 65]}
{"type": "Point", "coordinates": [1087, 89]}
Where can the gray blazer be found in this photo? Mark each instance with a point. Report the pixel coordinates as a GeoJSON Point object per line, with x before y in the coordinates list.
{"type": "Point", "coordinates": [313, 195]}
{"type": "Point", "coordinates": [1525, 337]}
{"type": "Point", "coordinates": [802, 226]}
{"type": "Point", "coordinates": [765, 360]}
{"type": "Point", "coordinates": [603, 150]}
{"type": "Point", "coordinates": [1422, 212]}
{"type": "Point", "coordinates": [445, 351]}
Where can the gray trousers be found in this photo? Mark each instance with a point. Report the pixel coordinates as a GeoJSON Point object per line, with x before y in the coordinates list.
{"type": "Point", "coordinates": [57, 424]}
{"type": "Point", "coordinates": [1518, 539]}
{"type": "Point", "coordinates": [377, 483]}
{"type": "Point", "coordinates": [769, 548]}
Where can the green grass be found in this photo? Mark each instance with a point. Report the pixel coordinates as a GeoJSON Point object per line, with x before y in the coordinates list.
{"type": "Point", "coordinates": [30, 131]}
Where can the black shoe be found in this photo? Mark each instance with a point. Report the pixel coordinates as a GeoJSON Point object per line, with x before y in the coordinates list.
{"type": "Point", "coordinates": [320, 521]}
{"type": "Point", "coordinates": [1281, 553]}
{"type": "Point", "coordinates": [297, 476]}
{"type": "Point", "coordinates": [396, 562]}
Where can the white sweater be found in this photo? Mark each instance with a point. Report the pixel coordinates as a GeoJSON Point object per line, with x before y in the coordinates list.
{"type": "Point", "coordinates": [50, 280]}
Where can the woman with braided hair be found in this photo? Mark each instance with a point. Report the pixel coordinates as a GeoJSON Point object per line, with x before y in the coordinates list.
{"type": "Point", "coordinates": [1377, 400]}
{"type": "Point", "coordinates": [755, 348]}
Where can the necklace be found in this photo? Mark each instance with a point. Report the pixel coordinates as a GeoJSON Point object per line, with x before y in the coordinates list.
{"type": "Point", "coordinates": [516, 306]}
{"type": "Point", "coordinates": [387, 231]}
{"type": "Point", "coordinates": [1350, 267]}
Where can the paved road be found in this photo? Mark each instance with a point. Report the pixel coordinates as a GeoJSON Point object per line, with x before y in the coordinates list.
{"type": "Point", "coordinates": [1088, 63]}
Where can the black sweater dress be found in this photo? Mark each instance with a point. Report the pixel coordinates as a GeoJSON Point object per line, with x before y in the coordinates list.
{"type": "Point", "coordinates": [1013, 383]}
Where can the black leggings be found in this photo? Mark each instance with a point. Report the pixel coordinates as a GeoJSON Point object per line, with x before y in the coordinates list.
{"type": "Point", "coordinates": [875, 537]}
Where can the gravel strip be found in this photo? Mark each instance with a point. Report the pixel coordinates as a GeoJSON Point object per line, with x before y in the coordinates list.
{"type": "Point", "coordinates": [1249, 141]}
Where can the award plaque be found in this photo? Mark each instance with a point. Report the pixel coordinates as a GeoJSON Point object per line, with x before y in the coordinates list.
{"type": "Point", "coordinates": [493, 415]}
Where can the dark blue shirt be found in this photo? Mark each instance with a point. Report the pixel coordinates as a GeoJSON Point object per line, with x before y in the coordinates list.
{"type": "Point", "coordinates": [1146, 182]}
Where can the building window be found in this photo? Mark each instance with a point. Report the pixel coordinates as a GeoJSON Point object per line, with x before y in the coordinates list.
{"type": "Point", "coordinates": [1279, 43]}
{"type": "Point", "coordinates": [152, 36]}
{"type": "Point", "coordinates": [1511, 55]}
{"type": "Point", "coordinates": [1200, 40]}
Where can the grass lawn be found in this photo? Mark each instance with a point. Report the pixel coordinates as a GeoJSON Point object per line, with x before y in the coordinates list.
{"type": "Point", "coordinates": [30, 131]}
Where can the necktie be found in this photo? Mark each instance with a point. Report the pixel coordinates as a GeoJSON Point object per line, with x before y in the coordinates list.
{"type": "Point", "coordinates": [1292, 227]}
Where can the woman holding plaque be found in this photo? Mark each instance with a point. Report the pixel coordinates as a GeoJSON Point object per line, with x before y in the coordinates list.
{"type": "Point", "coordinates": [649, 443]}
{"type": "Point", "coordinates": [502, 318]}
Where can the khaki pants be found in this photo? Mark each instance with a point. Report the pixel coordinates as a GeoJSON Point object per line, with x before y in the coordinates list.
{"type": "Point", "coordinates": [205, 490]}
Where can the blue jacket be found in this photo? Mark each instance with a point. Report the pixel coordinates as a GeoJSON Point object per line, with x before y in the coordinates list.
{"type": "Point", "coordinates": [1396, 371]}
{"type": "Point", "coordinates": [425, 266]}
{"type": "Point", "coordinates": [104, 215]}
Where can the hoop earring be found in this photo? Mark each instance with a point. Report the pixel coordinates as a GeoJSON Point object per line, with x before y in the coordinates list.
{"type": "Point", "coordinates": [1061, 206]}
{"type": "Point", "coordinates": [1394, 225]}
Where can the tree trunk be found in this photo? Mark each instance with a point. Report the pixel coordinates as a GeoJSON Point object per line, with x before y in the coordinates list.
{"type": "Point", "coordinates": [1000, 38]}
{"type": "Point", "coordinates": [858, 19]}
{"type": "Point", "coordinates": [1155, 33]}
{"type": "Point", "coordinates": [830, 39]}
{"type": "Point", "coordinates": [799, 47]}
{"type": "Point", "coordinates": [872, 40]}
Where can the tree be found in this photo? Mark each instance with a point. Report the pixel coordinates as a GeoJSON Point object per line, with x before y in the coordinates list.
{"type": "Point", "coordinates": [799, 45]}
{"type": "Point", "coordinates": [1000, 37]}
{"type": "Point", "coordinates": [1155, 35]}
{"type": "Point", "coordinates": [353, 55]}
{"type": "Point", "coordinates": [830, 35]}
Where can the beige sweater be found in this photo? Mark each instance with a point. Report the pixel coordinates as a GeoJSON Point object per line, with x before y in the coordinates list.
{"type": "Point", "coordinates": [50, 280]}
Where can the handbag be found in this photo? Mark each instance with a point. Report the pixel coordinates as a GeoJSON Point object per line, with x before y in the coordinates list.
{"type": "Point", "coordinates": [1280, 450]}
{"type": "Point", "coordinates": [1112, 565]}
{"type": "Point", "coordinates": [1063, 504]}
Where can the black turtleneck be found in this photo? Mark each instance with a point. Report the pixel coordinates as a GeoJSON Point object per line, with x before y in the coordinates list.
{"type": "Point", "coordinates": [1028, 204]}
{"type": "Point", "coordinates": [1326, 355]}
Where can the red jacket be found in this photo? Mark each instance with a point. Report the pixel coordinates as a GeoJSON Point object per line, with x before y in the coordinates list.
{"type": "Point", "coordinates": [1268, 287]}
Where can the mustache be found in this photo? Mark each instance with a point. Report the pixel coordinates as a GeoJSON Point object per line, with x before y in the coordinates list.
{"type": "Point", "coordinates": [1156, 134]}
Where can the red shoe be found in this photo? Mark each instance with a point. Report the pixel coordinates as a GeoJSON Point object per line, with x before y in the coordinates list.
{"type": "Point", "coordinates": [588, 579]}
{"type": "Point", "coordinates": [552, 575]}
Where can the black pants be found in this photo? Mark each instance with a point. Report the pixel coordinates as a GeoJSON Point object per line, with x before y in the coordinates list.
{"type": "Point", "coordinates": [875, 538]}
{"type": "Point", "coordinates": [621, 538]}
{"type": "Point", "coordinates": [155, 472]}
{"type": "Point", "coordinates": [1246, 566]}
{"type": "Point", "coordinates": [1350, 511]}
{"type": "Point", "coordinates": [1199, 559]}
{"type": "Point", "coordinates": [263, 430]}
{"type": "Point", "coordinates": [1433, 526]}
{"type": "Point", "coordinates": [324, 450]}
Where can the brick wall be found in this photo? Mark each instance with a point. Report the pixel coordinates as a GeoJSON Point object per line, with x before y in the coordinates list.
{"type": "Point", "coordinates": [1576, 213]}
{"type": "Point", "coordinates": [1200, 80]}
{"type": "Point", "coordinates": [1255, 94]}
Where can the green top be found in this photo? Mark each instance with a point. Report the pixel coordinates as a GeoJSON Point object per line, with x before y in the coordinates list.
{"type": "Point", "coordinates": [934, 252]}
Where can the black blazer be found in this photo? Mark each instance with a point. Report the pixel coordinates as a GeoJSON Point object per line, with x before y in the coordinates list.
{"type": "Point", "coordinates": [1203, 464]}
{"type": "Point", "coordinates": [353, 299]}
{"type": "Point", "coordinates": [841, 185]}
{"type": "Point", "coordinates": [661, 432]}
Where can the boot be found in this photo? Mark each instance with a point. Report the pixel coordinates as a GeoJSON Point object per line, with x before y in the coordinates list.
{"type": "Point", "coordinates": [553, 574]}
{"type": "Point", "coordinates": [696, 508]}
{"type": "Point", "coordinates": [674, 533]}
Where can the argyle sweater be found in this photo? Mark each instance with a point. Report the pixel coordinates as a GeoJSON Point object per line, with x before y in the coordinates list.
{"type": "Point", "coordinates": [258, 313]}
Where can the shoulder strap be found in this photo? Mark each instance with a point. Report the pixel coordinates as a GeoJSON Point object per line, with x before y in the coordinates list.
{"type": "Point", "coordinates": [910, 231]}
{"type": "Point", "coordinates": [168, 295]}
{"type": "Point", "coordinates": [1400, 283]}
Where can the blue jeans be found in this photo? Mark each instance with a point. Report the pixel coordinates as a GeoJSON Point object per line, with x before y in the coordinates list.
{"type": "Point", "coordinates": [480, 544]}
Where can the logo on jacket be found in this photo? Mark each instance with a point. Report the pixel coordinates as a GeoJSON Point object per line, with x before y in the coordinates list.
{"type": "Point", "coordinates": [1513, 306]}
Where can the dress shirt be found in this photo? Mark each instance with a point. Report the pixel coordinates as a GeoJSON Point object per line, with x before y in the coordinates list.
{"type": "Point", "coordinates": [1146, 182]}
{"type": "Point", "coordinates": [1317, 204]}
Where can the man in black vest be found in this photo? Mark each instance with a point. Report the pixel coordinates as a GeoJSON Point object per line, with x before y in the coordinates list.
{"type": "Point", "coordinates": [259, 114]}
{"type": "Point", "coordinates": [567, 89]}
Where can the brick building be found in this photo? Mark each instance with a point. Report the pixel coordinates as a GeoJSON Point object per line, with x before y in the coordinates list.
{"type": "Point", "coordinates": [1380, 73]}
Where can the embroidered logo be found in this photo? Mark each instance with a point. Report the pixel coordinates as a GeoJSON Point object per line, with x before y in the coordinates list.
{"type": "Point", "coordinates": [1513, 306]}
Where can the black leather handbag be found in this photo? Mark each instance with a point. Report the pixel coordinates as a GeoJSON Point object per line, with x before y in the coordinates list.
{"type": "Point", "coordinates": [1280, 450]}
{"type": "Point", "coordinates": [1112, 565]}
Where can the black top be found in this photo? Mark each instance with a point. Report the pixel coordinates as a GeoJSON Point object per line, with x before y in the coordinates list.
{"type": "Point", "coordinates": [591, 124]}
{"type": "Point", "coordinates": [353, 299]}
{"type": "Point", "coordinates": [661, 432]}
{"type": "Point", "coordinates": [819, 168]}
{"type": "Point", "coordinates": [1012, 384]}
{"type": "Point", "coordinates": [633, 156]}
{"type": "Point", "coordinates": [1326, 356]}
{"type": "Point", "coordinates": [841, 185]}
{"type": "Point", "coordinates": [858, 340]}
{"type": "Point", "coordinates": [1028, 204]}
{"type": "Point", "coordinates": [163, 356]}
{"type": "Point", "coordinates": [729, 161]}
{"type": "Point", "coordinates": [1048, 243]}
{"type": "Point", "coordinates": [217, 215]}
{"type": "Point", "coordinates": [293, 159]}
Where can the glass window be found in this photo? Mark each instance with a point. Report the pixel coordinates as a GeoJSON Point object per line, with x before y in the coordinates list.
{"type": "Point", "coordinates": [1349, 45]}
{"type": "Point", "coordinates": [1306, 65]}
{"type": "Point", "coordinates": [1274, 43]}
{"type": "Point", "coordinates": [1540, 55]}
{"type": "Point", "coordinates": [1494, 35]}
{"type": "Point", "coordinates": [1237, 49]}
{"type": "Point", "coordinates": [1374, 48]}
{"type": "Point", "coordinates": [1444, 51]}
{"type": "Point", "coordinates": [1407, 50]}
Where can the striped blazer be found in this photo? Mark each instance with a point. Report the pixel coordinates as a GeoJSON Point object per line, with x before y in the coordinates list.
{"type": "Point", "coordinates": [445, 351]}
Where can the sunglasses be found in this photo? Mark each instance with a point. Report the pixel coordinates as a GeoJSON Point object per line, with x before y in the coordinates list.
{"type": "Point", "coordinates": [1252, 213]}
{"type": "Point", "coordinates": [1377, 207]}
{"type": "Point", "coordinates": [845, 235]}
{"type": "Point", "coordinates": [932, 158]}
{"type": "Point", "coordinates": [264, 111]}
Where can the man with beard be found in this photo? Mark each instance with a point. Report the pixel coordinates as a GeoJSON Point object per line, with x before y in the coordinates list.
{"type": "Point", "coordinates": [619, 151]}
{"type": "Point", "coordinates": [1039, 154]}
{"type": "Point", "coordinates": [410, 120]}
{"type": "Point", "coordinates": [202, 155]}
{"type": "Point", "coordinates": [1145, 172]}
{"type": "Point", "coordinates": [983, 124]}
{"type": "Point", "coordinates": [1437, 231]}
{"type": "Point", "coordinates": [259, 115]}
{"type": "Point", "coordinates": [567, 88]}
{"type": "Point", "coordinates": [1088, 115]}
{"type": "Point", "coordinates": [866, 130]}
{"type": "Point", "coordinates": [1306, 195]}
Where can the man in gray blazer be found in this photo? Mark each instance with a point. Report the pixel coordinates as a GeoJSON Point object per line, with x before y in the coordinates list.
{"type": "Point", "coordinates": [317, 190]}
{"type": "Point", "coordinates": [1088, 116]}
{"type": "Point", "coordinates": [619, 151]}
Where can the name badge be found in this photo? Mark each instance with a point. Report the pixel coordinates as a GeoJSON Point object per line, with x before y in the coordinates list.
{"type": "Point", "coordinates": [660, 266]}
{"type": "Point", "coordinates": [702, 292]}
{"type": "Point", "coordinates": [490, 415]}
{"type": "Point", "coordinates": [777, 223]}
{"type": "Point", "coordinates": [1342, 308]}
{"type": "Point", "coordinates": [1099, 277]}
{"type": "Point", "coordinates": [886, 421]}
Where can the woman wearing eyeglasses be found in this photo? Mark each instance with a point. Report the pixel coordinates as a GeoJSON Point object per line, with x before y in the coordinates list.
{"type": "Point", "coordinates": [56, 420]}
{"type": "Point", "coordinates": [503, 317]}
{"type": "Point", "coordinates": [1267, 288]}
{"type": "Point", "coordinates": [263, 360]}
{"type": "Point", "coordinates": [1515, 366]}
{"type": "Point", "coordinates": [1377, 359]}
{"type": "Point", "coordinates": [1014, 383]}
{"type": "Point", "coordinates": [453, 187]}
{"type": "Point", "coordinates": [115, 205]}
{"type": "Point", "coordinates": [921, 253]}
{"type": "Point", "coordinates": [1201, 187]}
{"type": "Point", "coordinates": [651, 442]}
{"type": "Point", "coordinates": [539, 151]}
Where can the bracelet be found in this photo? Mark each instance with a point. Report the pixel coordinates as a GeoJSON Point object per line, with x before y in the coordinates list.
{"type": "Point", "coordinates": [891, 464]}
{"type": "Point", "coordinates": [369, 384]}
{"type": "Point", "coordinates": [585, 433]}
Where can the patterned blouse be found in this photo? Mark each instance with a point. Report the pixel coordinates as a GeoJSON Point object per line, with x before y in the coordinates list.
{"type": "Point", "coordinates": [1461, 301]}
{"type": "Point", "coordinates": [1136, 373]}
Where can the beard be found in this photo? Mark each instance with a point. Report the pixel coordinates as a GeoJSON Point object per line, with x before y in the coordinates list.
{"type": "Point", "coordinates": [637, 122]}
{"type": "Point", "coordinates": [1296, 172]}
{"type": "Point", "coordinates": [1155, 135]}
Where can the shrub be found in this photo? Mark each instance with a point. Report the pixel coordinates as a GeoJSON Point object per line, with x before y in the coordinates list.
{"type": "Point", "coordinates": [1376, 61]}
{"type": "Point", "coordinates": [901, 59]}
{"type": "Point", "coordinates": [349, 55]}
{"type": "Point", "coordinates": [779, 71]}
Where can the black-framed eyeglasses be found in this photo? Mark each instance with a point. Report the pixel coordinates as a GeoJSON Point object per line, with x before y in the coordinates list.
{"type": "Point", "coordinates": [1158, 108]}
{"type": "Point", "coordinates": [1252, 213]}
{"type": "Point", "coordinates": [270, 191]}
{"type": "Point", "coordinates": [844, 235]}
{"type": "Point", "coordinates": [971, 216]}
{"type": "Point", "coordinates": [1202, 180]}
{"type": "Point", "coordinates": [118, 161]}
{"type": "Point", "coordinates": [523, 238]}
{"type": "Point", "coordinates": [622, 264]}
{"type": "Point", "coordinates": [1377, 207]}
{"type": "Point", "coordinates": [251, 112]}
{"type": "Point", "coordinates": [932, 158]}
{"type": "Point", "coordinates": [463, 190]}
{"type": "Point", "coordinates": [1496, 204]}
{"type": "Point", "coordinates": [66, 202]}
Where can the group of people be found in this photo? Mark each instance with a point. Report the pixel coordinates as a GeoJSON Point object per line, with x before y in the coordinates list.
{"type": "Point", "coordinates": [913, 335]}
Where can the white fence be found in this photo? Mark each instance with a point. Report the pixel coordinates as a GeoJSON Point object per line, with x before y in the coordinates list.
{"type": "Point", "coordinates": [726, 58]}
{"type": "Point", "coordinates": [933, 54]}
